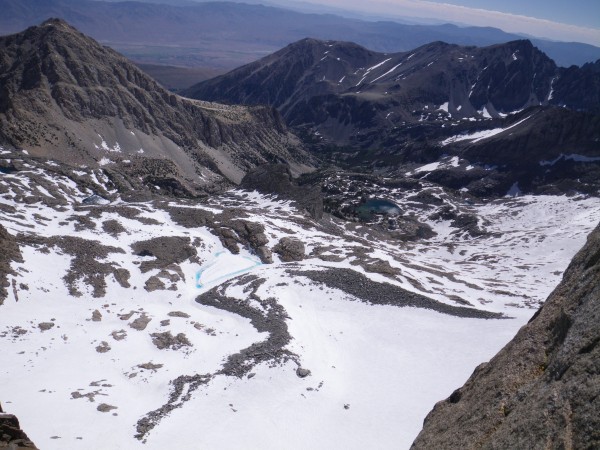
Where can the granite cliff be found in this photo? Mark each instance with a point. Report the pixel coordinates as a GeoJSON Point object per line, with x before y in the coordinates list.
{"type": "Point", "coordinates": [541, 390]}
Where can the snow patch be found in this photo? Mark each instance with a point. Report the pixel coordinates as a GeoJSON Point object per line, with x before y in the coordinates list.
{"type": "Point", "coordinates": [480, 135]}
{"type": "Point", "coordinates": [571, 157]}
{"type": "Point", "coordinates": [376, 66]}
{"type": "Point", "coordinates": [485, 113]}
{"type": "Point", "coordinates": [104, 146]}
{"type": "Point", "coordinates": [387, 73]}
{"type": "Point", "coordinates": [551, 93]}
{"type": "Point", "coordinates": [443, 163]}
{"type": "Point", "coordinates": [514, 190]}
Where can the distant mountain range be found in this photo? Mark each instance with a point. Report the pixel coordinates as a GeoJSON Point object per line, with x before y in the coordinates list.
{"type": "Point", "coordinates": [383, 112]}
{"type": "Point", "coordinates": [301, 79]}
{"type": "Point", "coordinates": [482, 119]}
{"type": "Point", "coordinates": [226, 35]}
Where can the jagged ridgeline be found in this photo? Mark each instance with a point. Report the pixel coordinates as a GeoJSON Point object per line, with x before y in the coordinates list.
{"type": "Point", "coordinates": [310, 80]}
{"type": "Point", "coordinates": [505, 113]}
{"type": "Point", "coordinates": [65, 96]}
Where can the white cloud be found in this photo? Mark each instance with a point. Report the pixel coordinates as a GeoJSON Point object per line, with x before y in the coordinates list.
{"type": "Point", "coordinates": [473, 16]}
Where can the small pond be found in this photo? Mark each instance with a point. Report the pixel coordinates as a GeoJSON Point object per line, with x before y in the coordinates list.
{"type": "Point", "coordinates": [7, 169]}
{"type": "Point", "coordinates": [376, 206]}
{"type": "Point", "coordinates": [222, 266]}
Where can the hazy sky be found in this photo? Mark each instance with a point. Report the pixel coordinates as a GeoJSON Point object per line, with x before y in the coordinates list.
{"type": "Point", "coordinates": [568, 20]}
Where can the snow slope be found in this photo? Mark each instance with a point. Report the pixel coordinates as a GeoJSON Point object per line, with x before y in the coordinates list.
{"type": "Point", "coordinates": [83, 371]}
{"type": "Point", "coordinates": [480, 135]}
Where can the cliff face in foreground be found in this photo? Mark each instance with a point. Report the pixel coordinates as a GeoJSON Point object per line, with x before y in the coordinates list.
{"type": "Point", "coordinates": [11, 435]}
{"type": "Point", "coordinates": [542, 390]}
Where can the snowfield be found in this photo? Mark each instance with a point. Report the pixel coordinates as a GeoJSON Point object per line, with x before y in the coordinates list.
{"type": "Point", "coordinates": [126, 327]}
{"type": "Point", "coordinates": [480, 135]}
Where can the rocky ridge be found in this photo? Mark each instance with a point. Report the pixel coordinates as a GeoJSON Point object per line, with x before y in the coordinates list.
{"type": "Point", "coordinates": [401, 114]}
{"type": "Point", "coordinates": [64, 95]}
{"type": "Point", "coordinates": [310, 81]}
{"type": "Point", "coordinates": [541, 390]}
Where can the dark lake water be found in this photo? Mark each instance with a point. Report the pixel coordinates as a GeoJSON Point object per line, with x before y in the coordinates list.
{"type": "Point", "coordinates": [374, 206]}
{"type": "Point", "coordinates": [7, 170]}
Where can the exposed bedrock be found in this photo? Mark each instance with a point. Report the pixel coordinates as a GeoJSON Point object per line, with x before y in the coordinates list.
{"type": "Point", "coordinates": [10, 252]}
{"type": "Point", "coordinates": [541, 390]}
{"type": "Point", "coordinates": [277, 179]}
{"type": "Point", "coordinates": [11, 435]}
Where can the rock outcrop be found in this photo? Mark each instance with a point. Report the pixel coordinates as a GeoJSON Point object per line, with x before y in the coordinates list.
{"type": "Point", "coordinates": [10, 252]}
{"type": "Point", "coordinates": [11, 435]}
{"type": "Point", "coordinates": [66, 97]}
{"type": "Point", "coordinates": [541, 390]}
{"type": "Point", "coordinates": [278, 179]}
{"type": "Point", "coordinates": [290, 249]}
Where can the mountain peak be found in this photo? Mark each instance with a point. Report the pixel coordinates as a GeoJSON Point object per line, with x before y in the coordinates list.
{"type": "Point", "coordinates": [66, 96]}
{"type": "Point", "coordinates": [521, 43]}
{"type": "Point", "coordinates": [55, 24]}
{"type": "Point", "coordinates": [55, 21]}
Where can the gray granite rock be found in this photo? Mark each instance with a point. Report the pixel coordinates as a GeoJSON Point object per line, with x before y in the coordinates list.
{"type": "Point", "coordinates": [541, 390]}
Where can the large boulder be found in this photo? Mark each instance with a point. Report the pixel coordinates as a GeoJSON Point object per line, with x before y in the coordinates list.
{"type": "Point", "coordinates": [541, 390]}
{"type": "Point", "coordinates": [290, 249]}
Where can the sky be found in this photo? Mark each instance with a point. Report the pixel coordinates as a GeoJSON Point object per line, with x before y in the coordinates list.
{"type": "Point", "coordinates": [572, 20]}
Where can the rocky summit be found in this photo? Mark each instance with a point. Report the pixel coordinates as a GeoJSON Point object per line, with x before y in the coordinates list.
{"type": "Point", "coordinates": [64, 95]}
